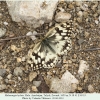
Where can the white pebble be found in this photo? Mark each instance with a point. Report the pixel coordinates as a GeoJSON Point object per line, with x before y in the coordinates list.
{"type": "Point", "coordinates": [5, 23]}
{"type": "Point", "coordinates": [99, 18]}
{"type": "Point", "coordinates": [23, 58]}
{"type": "Point", "coordinates": [83, 67]}
{"type": "Point", "coordinates": [96, 21]}
{"type": "Point", "coordinates": [2, 32]}
{"type": "Point", "coordinates": [29, 33]}
{"type": "Point", "coordinates": [9, 76]}
{"type": "Point", "coordinates": [32, 35]}
{"type": "Point", "coordinates": [80, 13]}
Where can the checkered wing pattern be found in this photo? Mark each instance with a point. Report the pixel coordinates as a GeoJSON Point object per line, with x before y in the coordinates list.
{"type": "Point", "coordinates": [54, 44]}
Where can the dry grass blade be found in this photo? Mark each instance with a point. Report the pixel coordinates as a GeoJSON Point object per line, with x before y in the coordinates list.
{"type": "Point", "coordinates": [19, 37]}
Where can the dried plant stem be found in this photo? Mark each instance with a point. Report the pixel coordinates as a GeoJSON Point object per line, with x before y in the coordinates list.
{"type": "Point", "coordinates": [86, 50]}
{"type": "Point", "coordinates": [19, 37]}
{"type": "Point", "coordinates": [13, 38]}
{"type": "Point", "coordinates": [91, 49]}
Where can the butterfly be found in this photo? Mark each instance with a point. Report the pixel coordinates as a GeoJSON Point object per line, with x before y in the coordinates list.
{"type": "Point", "coordinates": [54, 44]}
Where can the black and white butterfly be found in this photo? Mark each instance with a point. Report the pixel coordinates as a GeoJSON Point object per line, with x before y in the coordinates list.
{"type": "Point", "coordinates": [54, 44]}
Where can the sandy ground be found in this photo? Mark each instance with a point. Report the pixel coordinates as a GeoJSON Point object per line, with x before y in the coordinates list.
{"type": "Point", "coordinates": [13, 51]}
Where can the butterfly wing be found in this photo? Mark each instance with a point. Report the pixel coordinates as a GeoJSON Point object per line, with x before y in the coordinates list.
{"type": "Point", "coordinates": [56, 43]}
{"type": "Point", "coordinates": [59, 37]}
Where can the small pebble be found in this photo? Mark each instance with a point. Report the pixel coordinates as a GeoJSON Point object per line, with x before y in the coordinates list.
{"type": "Point", "coordinates": [1, 78]}
{"type": "Point", "coordinates": [34, 88]}
{"type": "Point", "coordinates": [79, 19]}
{"type": "Point", "coordinates": [69, 61]}
{"type": "Point", "coordinates": [74, 60]}
{"type": "Point", "coordinates": [61, 9]}
{"type": "Point", "coordinates": [13, 47]}
{"type": "Point", "coordinates": [32, 35]}
{"type": "Point", "coordinates": [18, 71]}
{"type": "Point", "coordinates": [85, 14]}
{"type": "Point", "coordinates": [18, 59]}
{"type": "Point", "coordinates": [12, 82]}
{"type": "Point", "coordinates": [23, 58]}
{"type": "Point", "coordinates": [78, 3]}
{"type": "Point", "coordinates": [87, 34]}
{"type": "Point", "coordinates": [6, 80]}
{"type": "Point", "coordinates": [49, 73]}
{"type": "Point", "coordinates": [28, 91]}
{"type": "Point", "coordinates": [32, 75]}
{"type": "Point", "coordinates": [9, 76]}
{"type": "Point", "coordinates": [64, 60]}
{"type": "Point", "coordinates": [99, 18]}
{"type": "Point", "coordinates": [2, 72]}
{"type": "Point", "coordinates": [79, 88]}
{"type": "Point", "coordinates": [83, 66]}
{"type": "Point", "coordinates": [80, 41]}
{"type": "Point", "coordinates": [5, 23]}
{"type": "Point", "coordinates": [94, 7]}
{"type": "Point", "coordinates": [62, 17]}
{"type": "Point", "coordinates": [75, 56]}
{"type": "Point", "coordinates": [74, 87]}
{"type": "Point", "coordinates": [96, 21]}
{"type": "Point", "coordinates": [84, 7]}
{"type": "Point", "coordinates": [2, 32]}
{"type": "Point", "coordinates": [3, 87]}
{"type": "Point", "coordinates": [91, 89]}
{"type": "Point", "coordinates": [71, 6]}
{"type": "Point", "coordinates": [37, 83]}
{"type": "Point", "coordinates": [66, 66]}
{"type": "Point", "coordinates": [80, 13]}
{"type": "Point", "coordinates": [19, 78]}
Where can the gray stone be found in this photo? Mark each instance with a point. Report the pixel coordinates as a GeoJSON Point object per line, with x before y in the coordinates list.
{"type": "Point", "coordinates": [37, 83]}
{"type": "Point", "coordinates": [67, 83]}
{"type": "Point", "coordinates": [80, 41]}
{"type": "Point", "coordinates": [34, 13]}
{"type": "Point", "coordinates": [18, 71]}
{"type": "Point", "coordinates": [6, 80]}
{"type": "Point", "coordinates": [2, 32]}
{"type": "Point", "coordinates": [2, 72]}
